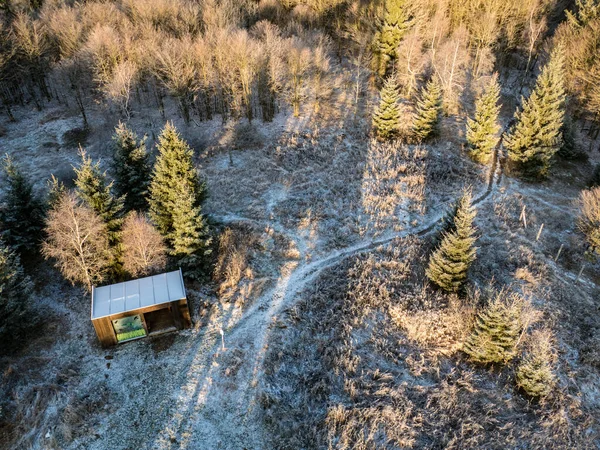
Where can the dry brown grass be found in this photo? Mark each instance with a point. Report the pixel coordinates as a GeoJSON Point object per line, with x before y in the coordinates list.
{"type": "Point", "coordinates": [232, 261]}
{"type": "Point", "coordinates": [589, 218]}
{"type": "Point", "coordinates": [439, 329]}
{"type": "Point", "coordinates": [393, 183]}
{"type": "Point", "coordinates": [369, 361]}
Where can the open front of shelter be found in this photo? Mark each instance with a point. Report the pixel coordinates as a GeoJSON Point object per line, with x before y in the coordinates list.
{"type": "Point", "coordinates": [138, 308]}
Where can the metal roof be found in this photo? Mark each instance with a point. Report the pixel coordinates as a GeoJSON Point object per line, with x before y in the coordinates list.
{"type": "Point", "coordinates": [131, 295]}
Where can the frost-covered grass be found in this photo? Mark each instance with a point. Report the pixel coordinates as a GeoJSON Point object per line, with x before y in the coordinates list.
{"type": "Point", "coordinates": [307, 202]}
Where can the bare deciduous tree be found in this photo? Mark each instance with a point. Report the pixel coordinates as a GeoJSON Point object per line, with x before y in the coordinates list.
{"type": "Point", "coordinates": [144, 250]}
{"type": "Point", "coordinates": [118, 89]}
{"type": "Point", "coordinates": [176, 68]}
{"type": "Point", "coordinates": [298, 59]}
{"type": "Point", "coordinates": [78, 241]}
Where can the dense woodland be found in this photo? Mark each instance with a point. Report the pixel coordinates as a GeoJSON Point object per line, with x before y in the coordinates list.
{"type": "Point", "coordinates": [513, 86]}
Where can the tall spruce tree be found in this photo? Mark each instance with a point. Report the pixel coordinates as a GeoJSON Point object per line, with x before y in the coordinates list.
{"type": "Point", "coordinates": [176, 193]}
{"type": "Point", "coordinates": [131, 167]}
{"type": "Point", "coordinates": [482, 130]}
{"type": "Point", "coordinates": [497, 329]}
{"type": "Point", "coordinates": [536, 136]}
{"type": "Point", "coordinates": [429, 110]}
{"type": "Point", "coordinates": [395, 21]}
{"type": "Point", "coordinates": [15, 289]}
{"type": "Point", "coordinates": [189, 238]}
{"type": "Point", "coordinates": [21, 212]}
{"type": "Point", "coordinates": [95, 190]}
{"type": "Point", "coordinates": [386, 118]}
{"type": "Point", "coordinates": [450, 262]}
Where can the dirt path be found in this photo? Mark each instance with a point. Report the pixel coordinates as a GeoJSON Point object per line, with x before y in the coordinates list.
{"type": "Point", "coordinates": [212, 413]}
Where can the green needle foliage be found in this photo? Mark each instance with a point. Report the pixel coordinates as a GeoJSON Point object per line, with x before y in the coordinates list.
{"type": "Point", "coordinates": [21, 212]}
{"type": "Point", "coordinates": [132, 169]}
{"type": "Point", "coordinates": [386, 118]}
{"type": "Point", "coordinates": [15, 288]}
{"type": "Point", "coordinates": [190, 232]}
{"type": "Point", "coordinates": [96, 192]}
{"type": "Point", "coordinates": [534, 373]}
{"type": "Point", "coordinates": [536, 136]}
{"type": "Point", "coordinates": [396, 20]}
{"type": "Point", "coordinates": [450, 262]}
{"type": "Point", "coordinates": [482, 130]}
{"type": "Point", "coordinates": [497, 330]}
{"type": "Point", "coordinates": [56, 189]}
{"type": "Point", "coordinates": [569, 149]}
{"type": "Point", "coordinates": [429, 110]}
{"type": "Point", "coordinates": [175, 197]}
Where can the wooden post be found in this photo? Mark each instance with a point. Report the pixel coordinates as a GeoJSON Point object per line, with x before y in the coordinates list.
{"type": "Point", "coordinates": [580, 272]}
{"type": "Point", "coordinates": [523, 217]}
{"type": "Point", "coordinates": [559, 250]}
{"type": "Point", "coordinates": [537, 238]}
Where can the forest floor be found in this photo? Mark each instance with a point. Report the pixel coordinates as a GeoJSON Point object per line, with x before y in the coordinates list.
{"type": "Point", "coordinates": [297, 186]}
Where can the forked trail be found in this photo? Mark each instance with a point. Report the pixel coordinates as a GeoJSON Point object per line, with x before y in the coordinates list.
{"type": "Point", "coordinates": [213, 414]}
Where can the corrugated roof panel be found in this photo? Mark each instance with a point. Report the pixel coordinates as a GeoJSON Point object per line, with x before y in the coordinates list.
{"type": "Point", "coordinates": [101, 301]}
{"type": "Point", "coordinates": [132, 295]}
{"type": "Point", "coordinates": [161, 292]}
{"type": "Point", "coordinates": [146, 291]}
{"type": "Point", "coordinates": [135, 294]}
{"type": "Point", "coordinates": [117, 298]}
{"type": "Point", "coordinates": [175, 286]}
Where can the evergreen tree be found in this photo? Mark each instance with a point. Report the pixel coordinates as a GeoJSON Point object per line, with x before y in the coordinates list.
{"type": "Point", "coordinates": [95, 190]}
{"type": "Point", "coordinates": [450, 262]}
{"type": "Point", "coordinates": [131, 167]}
{"type": "Point", "coordinates": [595, 178]}
{"type": "Point", "coordinates": [429, 109]}
{"type": "Point", "coordinates": [396, 20]}
{"type": "Point", "coordinates": [569, 149]}
{"type": "Point", "coordinates": [447, 224]}
{"type": "Point", "coordinates": [496, 331]}
{"type": "Point", "coordinates": [536, 136]}
{"type": "Point", "coordinates": [15, 290]}
{"type": "Point", "coordinates": [176, 194]}
{"type": "Point", "coordinates": [482, 130]}
{"type": "Point", "coordinates": [534, 373]}
{"type": "Point", "coordinates": [587, 10]}
{"type": "Point", "coordinates": [56, 189]}
{"type": "Point", "coordinates": [189, 238]}
{"type": "Point", "coordinates": [386, 118]}
{"type": "Point", "coordinates": [21, 212]}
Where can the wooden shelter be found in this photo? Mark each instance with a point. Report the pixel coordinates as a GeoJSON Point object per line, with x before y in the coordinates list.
{"type": "Point", "coordinates": [138, 308]}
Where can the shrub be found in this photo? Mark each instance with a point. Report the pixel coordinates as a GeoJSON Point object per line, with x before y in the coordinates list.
{"type": "Point", "coordinates": [589, 217]}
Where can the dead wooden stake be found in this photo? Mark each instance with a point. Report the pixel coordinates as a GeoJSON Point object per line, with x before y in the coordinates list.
{"type": "Point", "coordinates": [559, 250]}
{"type": "Point", "coordinates": [523, 218]}
{"type": "Point", "coordinates": [222, 338]}
{"type": "Point", "coordinates": [537, 238]}
{"type": "Point", "coordinates": [580, 272]}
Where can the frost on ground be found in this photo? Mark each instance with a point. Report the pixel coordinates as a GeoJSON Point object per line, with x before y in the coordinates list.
{"type": "Point", "coordinates": [305, 210]}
